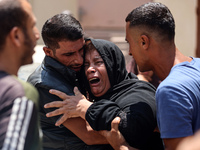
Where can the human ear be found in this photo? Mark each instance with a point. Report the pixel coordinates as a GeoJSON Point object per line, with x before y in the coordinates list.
{"type": "Point", "coordinates": [48, 51]}
{"type": "Point", "coordinates": [16, 35]}
{"type": "Point", "coordinates": [145, 41]}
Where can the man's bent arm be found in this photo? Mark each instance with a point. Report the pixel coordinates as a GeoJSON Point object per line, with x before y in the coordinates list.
{"type": "Point", "coordinates": [172, 143]}
{"type": "Point", "coordinates": [83, 130]}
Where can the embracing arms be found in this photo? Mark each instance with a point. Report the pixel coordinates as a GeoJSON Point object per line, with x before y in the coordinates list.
{"type": "Point", "coordinates": [76, 125]}
{"type": "Point", "coordinates": [140, 124]}
{"type": "Point", "coordinates": [70, 107]}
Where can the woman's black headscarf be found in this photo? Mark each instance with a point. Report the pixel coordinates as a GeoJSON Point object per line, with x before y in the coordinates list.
{"type": "Point", "coordinates": [113, 58]}
{"type": "Point", "coordinates": [114, 61]}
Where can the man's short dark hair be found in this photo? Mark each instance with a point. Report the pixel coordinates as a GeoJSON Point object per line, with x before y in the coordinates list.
{"type": "Point", "coordinates": [156, 17]}
{"type": "Point", "coordinates": [11, 15]}
{"type": "Point", "coordinates": [59, 28]}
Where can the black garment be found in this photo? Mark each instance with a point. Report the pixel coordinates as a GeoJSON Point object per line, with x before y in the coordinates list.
{"type": "Point", "coordinates": [131, 99]}
{"type": "Point", "coordinates": [19, 118]}
{"type": "Point", "coordinates": [54, 75]}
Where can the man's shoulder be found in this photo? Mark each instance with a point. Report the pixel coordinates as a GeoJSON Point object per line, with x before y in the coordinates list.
{"type": "Point", "coordinates": [184, 75]}
{"type": "Point", "coordinates": [47, 78]}
{"type": "Point", "coordinates": [168, 87]}
{"type": "Point", "coordinates": [12, 87]}
{"type": "Point", "coordinates": [35, 77]}
{"type": "Point", "coordinates": [29, 90]}
{"type": "Point", "coordinates": [44, 75]}
{"type": "Point", "coordinates": [179, 84]}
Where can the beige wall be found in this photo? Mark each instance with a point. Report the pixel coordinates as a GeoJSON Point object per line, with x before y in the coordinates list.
{"type": "Point", "coordinates": [44, 9]}
{"type": "Point", "coordinates": [184, 12]}
{"type": "Point", "coordinates": [111, 14]}
{"type": "Point", "coordinates": [106, 13]}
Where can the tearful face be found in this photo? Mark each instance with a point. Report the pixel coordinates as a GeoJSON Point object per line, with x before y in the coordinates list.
{"type": "Point", "coordinates": [96, 73]}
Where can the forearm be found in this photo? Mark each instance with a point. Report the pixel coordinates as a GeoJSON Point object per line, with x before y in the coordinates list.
{"type": "Point", "coordinates": [115, 138]}
{"type": "Point", "coordinates": [172, 143]}
{"type": "Point", "coordinates": [82, 130]}
{"type": "Point", "coordinates": [82, 107]}
{"type": "Point", "coordinates": [191, 142]}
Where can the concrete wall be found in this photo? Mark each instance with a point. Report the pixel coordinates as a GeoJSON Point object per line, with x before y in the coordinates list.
{"type": "Point", "coordinates": [184, 13]}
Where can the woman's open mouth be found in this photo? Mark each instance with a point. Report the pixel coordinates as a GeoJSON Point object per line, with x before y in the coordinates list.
{"type": "Point", "coordinates": [94, 80]}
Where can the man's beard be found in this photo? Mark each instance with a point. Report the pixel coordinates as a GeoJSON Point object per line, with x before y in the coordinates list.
{"type": "Point", "coordinates": [28, 50]}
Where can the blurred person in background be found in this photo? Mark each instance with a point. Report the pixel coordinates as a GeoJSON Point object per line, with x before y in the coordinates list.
{"type": "Point", "coordinates": [19, 120]}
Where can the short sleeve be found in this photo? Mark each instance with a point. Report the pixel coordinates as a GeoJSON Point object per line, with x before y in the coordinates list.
{"type": "Point", "coordinates": [174, 112]}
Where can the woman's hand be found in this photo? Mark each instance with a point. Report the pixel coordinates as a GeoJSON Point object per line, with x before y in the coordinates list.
{"type": "Point", "coordinates": [70, 107]}
{"type": "Point", "coordinates": [115, 138]}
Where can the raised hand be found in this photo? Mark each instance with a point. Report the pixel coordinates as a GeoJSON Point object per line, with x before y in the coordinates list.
{"type": "Point", "coordinates": [115, 138]}
{"type": "Point", "coordinates": [70, 107]}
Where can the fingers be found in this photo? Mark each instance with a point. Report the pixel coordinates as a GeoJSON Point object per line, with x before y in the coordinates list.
{"type": "Point", "coordinates": [55, 112]}
{"type": "Point", "coordinates": [114, 127]}
{"type": "Point", "coordinates": [67, 107]}
{"type": "Point", "coordinates": [60, 94]}
{"type": "Point", "coordinates": [61, 120]}
{"type": "Point", "coordinates": [54, 104]}
{"type": "Point", "coordinates": [76, 91]}
{"type": "Point", "coordinates": [115, 123]}
{"type": "Point", "coordinates": [104, 133]}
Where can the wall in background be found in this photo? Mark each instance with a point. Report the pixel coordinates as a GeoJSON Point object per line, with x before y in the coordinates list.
{"type": "Point", "coordinates": [185, 16]}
